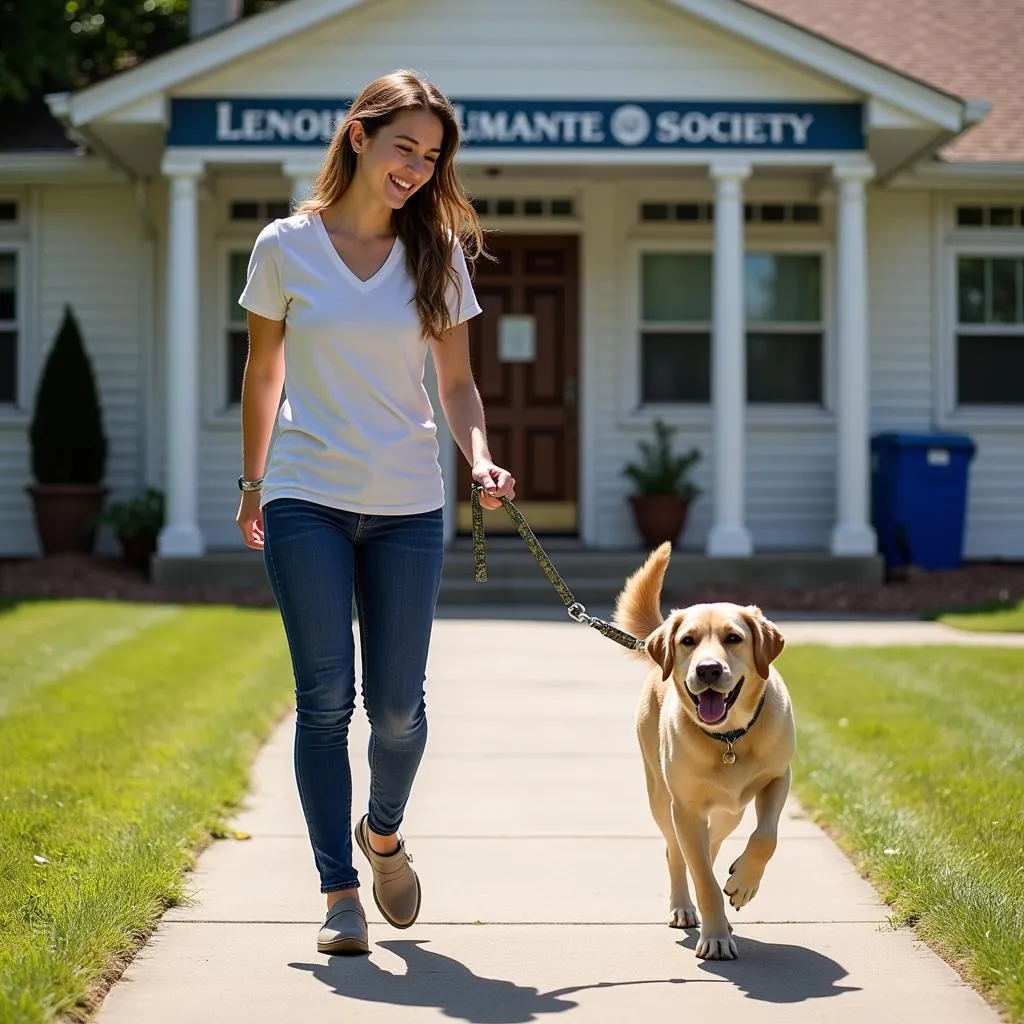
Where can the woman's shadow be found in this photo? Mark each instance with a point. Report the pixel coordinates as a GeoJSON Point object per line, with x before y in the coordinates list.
{"type": "Point", "coordinates": [778, 974]}
{"type": "Point", "coordinates": [437, 981]}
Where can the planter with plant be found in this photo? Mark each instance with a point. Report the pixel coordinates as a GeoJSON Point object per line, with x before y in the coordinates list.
{"type": "Point", "coordinates": [68, 447]}
{"type": "Point", "coordinates": [137, 524]}
{"type": "Point", "coordinates": [664, 491]}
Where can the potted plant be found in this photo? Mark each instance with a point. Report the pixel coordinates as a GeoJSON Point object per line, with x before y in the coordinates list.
{"type": "Point", "coordinates": [664, 491]}
{"type": "Point", "coordinates": [137, 524]}
{"type": "Point", "coordinates": [68, 447]}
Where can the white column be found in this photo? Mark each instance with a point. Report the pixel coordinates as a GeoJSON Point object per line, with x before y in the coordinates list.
{"type": "Point", "coordinates": [852, 533]}
{"type": "Point", "coordinates": [729, 535]}
{"type": "Point", "coordinates": [181, 536]}
{"type": "Point", "coordinates": [302, 177]}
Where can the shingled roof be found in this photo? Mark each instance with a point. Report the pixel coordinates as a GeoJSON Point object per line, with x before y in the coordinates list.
{"type": "Point", "coordinates": [972, 48]}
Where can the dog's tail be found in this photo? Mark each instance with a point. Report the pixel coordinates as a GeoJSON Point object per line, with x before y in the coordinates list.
{"type": "Point", "coordinates": [638, 606]}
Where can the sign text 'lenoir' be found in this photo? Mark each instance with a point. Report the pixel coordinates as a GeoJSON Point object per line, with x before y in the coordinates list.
{"type": "Point", "coordinates": [540, 124]}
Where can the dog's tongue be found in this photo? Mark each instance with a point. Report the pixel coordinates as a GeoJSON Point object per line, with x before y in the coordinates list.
{"type": "Point", "coordinates": [711, 706]}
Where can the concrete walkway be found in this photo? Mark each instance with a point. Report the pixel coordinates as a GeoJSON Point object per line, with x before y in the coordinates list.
{"type": "Point", "coordinates": [544, 879]}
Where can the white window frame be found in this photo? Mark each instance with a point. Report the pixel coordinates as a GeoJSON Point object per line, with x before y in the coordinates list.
{"type": "Point", "coordinates": [19, 410]}
{"type": "Point", "coordinates": [230, 307]}
{"type": "Point", "coordinates": [632, 412]}
{"type": "Point", "coordinates": [955, 242]}
{"type": "Point", "coordinates": [220, 236]}
{"type": "Point", "coordinates": [221, 414]}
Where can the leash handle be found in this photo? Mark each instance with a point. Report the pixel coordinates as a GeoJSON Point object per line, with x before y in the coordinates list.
{"type": "Point", "coordinates": [575, 610]}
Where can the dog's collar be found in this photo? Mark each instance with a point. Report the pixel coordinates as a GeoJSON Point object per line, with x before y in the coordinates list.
{"type": "Point", "coordinates": [729, 738]}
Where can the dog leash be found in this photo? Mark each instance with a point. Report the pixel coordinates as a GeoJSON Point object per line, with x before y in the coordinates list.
{"type": "Point", "coordinates": [575, 610]}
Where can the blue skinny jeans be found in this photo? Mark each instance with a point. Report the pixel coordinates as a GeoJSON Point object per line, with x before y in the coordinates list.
{"type": "Point", "coordinates": [316, 558]}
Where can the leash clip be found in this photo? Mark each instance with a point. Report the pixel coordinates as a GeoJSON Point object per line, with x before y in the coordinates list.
{"type": "Point", "coordinates": [578, 613]}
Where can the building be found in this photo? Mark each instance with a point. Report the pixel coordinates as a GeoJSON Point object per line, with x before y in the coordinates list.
{"type": "Point", "coordinates": [778, 225]}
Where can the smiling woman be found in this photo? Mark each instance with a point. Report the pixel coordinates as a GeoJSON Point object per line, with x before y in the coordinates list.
{"type": "Point", "coordinates": [344, 300]}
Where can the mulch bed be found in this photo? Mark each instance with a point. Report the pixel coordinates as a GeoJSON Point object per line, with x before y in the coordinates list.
{"type": "Point", "coordinates": [65, 576]}
{"type": "Point", "coordinates": [918, 593]}
{"type": "Point", "coordinates": [915, 593]}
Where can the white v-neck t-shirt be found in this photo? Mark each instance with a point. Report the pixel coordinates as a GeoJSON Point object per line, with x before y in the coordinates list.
{"type": "Point", "coordinates": [356, 430]}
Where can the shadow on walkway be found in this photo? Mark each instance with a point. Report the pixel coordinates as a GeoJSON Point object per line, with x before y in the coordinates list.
{"type": "Point", "coordinates": [772, 973]}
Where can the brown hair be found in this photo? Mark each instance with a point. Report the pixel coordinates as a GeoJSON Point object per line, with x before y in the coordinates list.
{"type": "Point", "coordinates": [435, 216]}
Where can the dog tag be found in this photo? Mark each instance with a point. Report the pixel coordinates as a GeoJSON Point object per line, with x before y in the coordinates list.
{"type": "Point", "coordinates": [728, 757]}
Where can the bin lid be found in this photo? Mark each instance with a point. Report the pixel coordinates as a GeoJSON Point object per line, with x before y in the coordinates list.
{"type": "Point", "coordinates": [908, 439]}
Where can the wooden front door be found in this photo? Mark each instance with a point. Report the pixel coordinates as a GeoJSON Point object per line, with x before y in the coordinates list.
{"type": "Point", "coordinates": [525, 353]}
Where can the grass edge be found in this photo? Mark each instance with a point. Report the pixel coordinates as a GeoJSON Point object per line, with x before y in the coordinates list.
{"type": "Point", "coordinates": [216, 828]}
{"type": "Point", "coordinates": [898, 921]}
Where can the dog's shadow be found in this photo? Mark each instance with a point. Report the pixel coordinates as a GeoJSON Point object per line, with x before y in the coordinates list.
{"type": "Point", "coordinates": [775, 972]}
{"type": "Point", "coordinates": [767, 972]}
{"type": "Point", "coordinates": [439, 982]}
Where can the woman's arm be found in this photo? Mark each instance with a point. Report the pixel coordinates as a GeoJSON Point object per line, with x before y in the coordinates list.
{"type": "Point", "coordinates": [261, 396]}
{"type": "Point", "coordinates": [464, 412]}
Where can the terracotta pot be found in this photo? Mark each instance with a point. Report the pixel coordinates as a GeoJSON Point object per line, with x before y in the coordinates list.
{"type": "Point", "coordinates": [659, 517]}
{"type": "Point", "coordinates": [66, 515]}
{"type": "Point", "coordinates": [138, 549]}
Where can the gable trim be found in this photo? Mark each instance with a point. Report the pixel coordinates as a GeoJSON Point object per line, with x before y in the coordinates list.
{"type": "Point", "coordinates": [733, 17]}
{"type": "Point", "coordinates": [202, 55]}
{"type": "Point", "coordinates": [831, 59]}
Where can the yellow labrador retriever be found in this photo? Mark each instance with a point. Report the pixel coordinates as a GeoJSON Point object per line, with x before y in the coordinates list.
{"type": "Point", "coordinates": [716, 730]}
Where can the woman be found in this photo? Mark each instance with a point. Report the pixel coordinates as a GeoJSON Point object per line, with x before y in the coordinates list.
{"type": "Point", "coordinates": [343, 301]}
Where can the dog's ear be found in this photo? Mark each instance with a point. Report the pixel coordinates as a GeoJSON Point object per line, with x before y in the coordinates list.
{"type": "Point", "coordinates": [662, 650]}
{"type": "Point", "coordinates": [767, 640]}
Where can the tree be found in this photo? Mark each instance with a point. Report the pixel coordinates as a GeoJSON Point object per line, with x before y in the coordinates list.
{"type": "Point", "coordinates": [66, 44]}
{"type": "Point", "coordinates": [66, 434]}
{"type": "Point", "coordinates": [53, 45]}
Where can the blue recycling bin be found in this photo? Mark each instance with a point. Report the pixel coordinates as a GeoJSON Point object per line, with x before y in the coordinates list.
{"type": "Point", "coordinates": [919, 497]}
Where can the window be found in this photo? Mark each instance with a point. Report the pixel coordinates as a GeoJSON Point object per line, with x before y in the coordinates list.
{"type": "Point", "coordinates": [785, 334]}
{"type": "Point", "coordinates": [675, 333]}
{"type": "Point", "coordinates": [8, 211]}
{"type": "Point", "coordinates": [785, 328]}
{"type": "Point", "coordinates": [262, 211]}
{"type": "Point", "coordinates": [704, 213]}
{"type": "Point", "coordinates": [236, 333]}
{"type": "Point", "coordinates": [533, 207]}
{"type": "Point", "coordinates": [990, 330]}
{"type": "Point", "coordinates": [1002, 216]}
{"type": "Point", "coordinates": [9, 328]}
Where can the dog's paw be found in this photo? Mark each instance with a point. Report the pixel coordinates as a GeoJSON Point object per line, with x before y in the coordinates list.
{"type": "Point", "coordinates": [717, 947]}
{"type": "Point", "coordinates": [683, 916]}
{"type": "Point", "coordinates": [744, 881]}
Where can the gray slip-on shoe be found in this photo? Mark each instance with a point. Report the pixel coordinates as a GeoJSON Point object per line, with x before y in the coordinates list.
{"type": "Point", "coordinates": [396, 889]}
{"type": "Point", "coordinates": [344, 930]}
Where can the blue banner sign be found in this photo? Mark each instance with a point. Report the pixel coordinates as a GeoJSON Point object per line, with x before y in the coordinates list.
{"type": "Point", "coordinates": [541, 124]}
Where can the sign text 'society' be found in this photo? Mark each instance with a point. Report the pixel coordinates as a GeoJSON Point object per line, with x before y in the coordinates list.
{"type": "Point", "coordinates": [540, 124]}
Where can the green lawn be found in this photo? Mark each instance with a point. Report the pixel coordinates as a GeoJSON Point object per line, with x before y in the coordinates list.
{"type": "Point", "coordinates": [1007, 618]}
{"type": "Point", "coordinates": [126, 734]}
{"type": "Point", "coordinates": [915, 758]}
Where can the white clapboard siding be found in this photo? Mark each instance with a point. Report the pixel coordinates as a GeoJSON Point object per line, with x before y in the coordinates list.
{"type": "Point", "coordinates": [995, 496]}
{"type": "Point", "coordinates": [87, 246]}
{"type": "Point", "coordinates": [790, 488]}
{"type": "Point", "coordinates": [900, 310]}
{"type": "Point", "coordinates": [790, 475]}
{"type": "Point", "coordinates": [904, 331]}
{"type": "Point", "coordinates": [481, 48]}
{"type": "Point", "coordinates": [17, 531]}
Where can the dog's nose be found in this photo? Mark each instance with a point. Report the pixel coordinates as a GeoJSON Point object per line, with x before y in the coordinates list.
{"type": "Point", "coordinates": [709, 671]}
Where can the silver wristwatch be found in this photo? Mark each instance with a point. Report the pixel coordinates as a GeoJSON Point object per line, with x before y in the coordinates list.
{"type": "Point", "coordinates": [250, 485]}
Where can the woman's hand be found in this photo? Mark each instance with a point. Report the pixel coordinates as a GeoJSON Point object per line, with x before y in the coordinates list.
{"type": "Point", "coordinates": [496, 482]}
{"type": "Point", "coordinates": [250, 520]}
